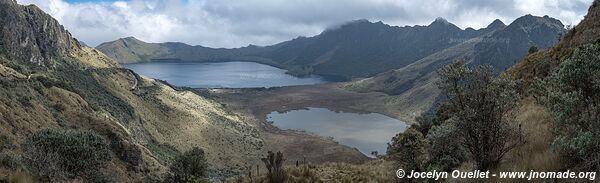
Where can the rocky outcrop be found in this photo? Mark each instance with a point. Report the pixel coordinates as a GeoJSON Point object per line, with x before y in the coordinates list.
{"type": "Point", "coordinates": [30, 35]}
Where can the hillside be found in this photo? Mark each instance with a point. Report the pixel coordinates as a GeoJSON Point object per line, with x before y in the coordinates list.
{"type": "Point", "coordinates": [541, 63]}
{"type": "Point", "coordinates": [49, 80]}
{"type": "Point", "coordinates": [355, 49]}
{"type": "Point", "coordinates": [415, 84]}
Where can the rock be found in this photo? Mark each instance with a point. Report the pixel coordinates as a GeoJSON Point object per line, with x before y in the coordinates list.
{"type": "Point", "coordinates": [31, 35]}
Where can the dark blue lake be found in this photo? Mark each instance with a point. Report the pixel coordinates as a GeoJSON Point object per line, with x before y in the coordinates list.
{"type": "Point", "coordinates": [366, 132]}
{"type": "Point", "coordinates": [221, 75]}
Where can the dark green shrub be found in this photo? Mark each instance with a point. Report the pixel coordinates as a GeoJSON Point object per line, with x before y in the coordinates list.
{"type": "Point", "coordinates": [275, 171]}
{"type": "Point", "coordinates": [409, 150]}
{"type": "Point", "coordinates": [573, 95]}
{"type": "Point", "coordinates": [5, 142]}
{"type": "Point", "coordinates": [481, 105]}
{"type": "Point", "coordinates": [10, 160]}
{"type": "Point", "coordinates": [532, 49]}
{"type": "Point", "coordinates": [445, 150]}
{"type": "Point", "coordinates": [189, 166]}
{"type": "Point", "coordinates": [55, 154]}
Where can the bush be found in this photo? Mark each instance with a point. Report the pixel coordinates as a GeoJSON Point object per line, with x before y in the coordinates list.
{"type": "Point", "coordinates": [445, 150]}
{"type": "Point", "coordinates": [9, 160]}
{"type": "Point", "coordinates": [532, 49]}
{"type": "Point", "coordinates": [190, 166]}
{"type": "Point", "coordinates": [55, 154]}
{"type": "Point", "coordinates": [5, 142]}
{"type": "Point", "coordinates": [573, 95]}
{"type": "Point", "coordinates": [274, 164]}
{"type": "Point", "coordinates": [409, 150]}
{"type": "Point", "coordinates": [481, 105]}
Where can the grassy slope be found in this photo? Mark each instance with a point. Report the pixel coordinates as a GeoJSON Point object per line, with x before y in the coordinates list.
{"type": "Point", "coordinates": [414, 85]}
{"type": "Point", "coordinates": [542, 63]}
{"type": "Point", "coordinates": [131, 50]}
{"type": "Point", "coordinates": [84, 89]}
{"type": "Point", "coordinates": [101, 99]}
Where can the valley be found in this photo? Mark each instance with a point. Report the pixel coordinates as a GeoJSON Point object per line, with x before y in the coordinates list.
{"type": "Point", "coordinates": [256, 103]}
{"type": "Point", "coordinates": [352, 103]}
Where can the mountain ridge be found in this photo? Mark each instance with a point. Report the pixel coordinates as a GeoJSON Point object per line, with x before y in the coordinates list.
{"type": "Point", "coordinates": [414, 85]}
{"type": "Point", "coordinates": [382, 47]}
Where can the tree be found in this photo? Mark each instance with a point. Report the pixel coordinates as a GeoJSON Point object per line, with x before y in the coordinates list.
{"type": "Point", "coordinates": [409, 150]}
{"type": "Point", "coordinates": [480, 104]}
{"type": "Point", "coordinates": [573, 95]}
{"type": "Point", "coordinates": [58, 154]}
{"type": "Point", "coordinates": [190, 166]}
{"type": "Point", "coordinates": [274, 164]}
{"type": "Point", "coordinates": [445, 147]}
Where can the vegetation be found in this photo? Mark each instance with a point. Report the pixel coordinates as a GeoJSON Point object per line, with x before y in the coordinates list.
{"type": "Point", "coordinates": [191, 166]}
{"type": "Point", "coordinates": [473, 124]}
{"type": "Point", "coordinates": [480, 105]}
{"type": "Point", "coordinates": [409, 149]}
{"type": "Point", "coordinates": [532, 49]}
{"type": "Point", "coordinates": [275, 171]}
{"type": "Point", "coordinates": [58, 155]}
{"type": "Point", "coordinates": [572, 93]}
{"type": "Point", "coordinates": [445, 150]}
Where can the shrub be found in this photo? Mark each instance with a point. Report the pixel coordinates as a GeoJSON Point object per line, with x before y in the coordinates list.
{"type": "Point", "coordinates": [445, 150]}
{"type": "Point", "coordinates": [532, 49]}
{"type": "Point", "coordinates": [189, 166]}
{"type": "Point", "coordinates": [480, 104]}
{"type": "Point", "coordinates": [275, 171]}
{"type": "Point", "coordinates": [9, 160]}
{"type": "Point", "coordinates": [409, 150]}
{"type": "Point", "coordinates": [55, 154]}
{"type": "Point", "coordinates": [573, 95]}
{"type": "Point", "coordinates": [5, 142]}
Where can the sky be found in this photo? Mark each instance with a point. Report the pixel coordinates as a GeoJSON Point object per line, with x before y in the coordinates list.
{"type": "Point", "coordinates": [237, 23]}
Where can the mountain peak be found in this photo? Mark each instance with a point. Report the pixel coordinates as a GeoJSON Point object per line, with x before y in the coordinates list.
{"type": "Point", "coordinates": [443, 24]}
{"type": "Point", "coordinates": [440, 20]}
{"type": "Point", "coordinates": [530, 20]}
{"type": "Point", "coordinates": [354, 25]}
{"type": "Point", "coordinates": [496, 24]}
{"type": "Point", "coordinates": [130, 38]}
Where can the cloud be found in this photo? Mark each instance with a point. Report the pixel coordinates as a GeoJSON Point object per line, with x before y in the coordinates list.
{"type": "Point", "coordinates": [235, 23]}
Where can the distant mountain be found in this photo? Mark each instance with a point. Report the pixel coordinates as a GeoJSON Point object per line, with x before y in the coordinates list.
{"type": "Point", "coordinates": [414, 85]}
{"type": "Point", "coordinates": [356, 49]}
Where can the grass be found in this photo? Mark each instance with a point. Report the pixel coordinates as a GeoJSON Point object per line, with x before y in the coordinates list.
{"type": "Point", "coordinates": [372, 171]}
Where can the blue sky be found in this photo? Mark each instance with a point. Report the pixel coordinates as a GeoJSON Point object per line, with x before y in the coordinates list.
{"type": "Point", "coordinates": [235, 23]}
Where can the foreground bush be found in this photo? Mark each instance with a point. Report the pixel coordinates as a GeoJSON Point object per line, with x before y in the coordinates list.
{"type": "Point", "coordinates": [573, 95]}
{"type": "Point", "coordinates": [275, 171]}
{"type": "Point", "coordinates": [57, 155]}
{"type": "Point", "coordinates": [191, 166]}
{"type": "Point", "coordinates": [474, 122]}
{"type": "Point", "coordinates": [409, 150]}
{"type": "Point", "coordinates": [480, 104]}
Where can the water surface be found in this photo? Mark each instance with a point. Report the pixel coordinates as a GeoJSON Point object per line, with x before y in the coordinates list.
{"type": "Point", "coordinates": [367, 132]}
{"type": "Point", "coordinates": [221, 75]}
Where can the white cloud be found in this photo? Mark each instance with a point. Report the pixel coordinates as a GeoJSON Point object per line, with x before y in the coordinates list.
{"type": "Point", "coordinates": [234, 23]}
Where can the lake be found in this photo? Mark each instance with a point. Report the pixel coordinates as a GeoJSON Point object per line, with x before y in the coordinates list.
{"type": "Point", "coordinates": [367, 132]}
{"type": "Point", "coordinates": [221, 75]}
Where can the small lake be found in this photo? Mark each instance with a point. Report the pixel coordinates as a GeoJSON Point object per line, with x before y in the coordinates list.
{"type": "Point", "coordinates": [221, 75]}
{"type": "Point", "coordinates": [367, 132]}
